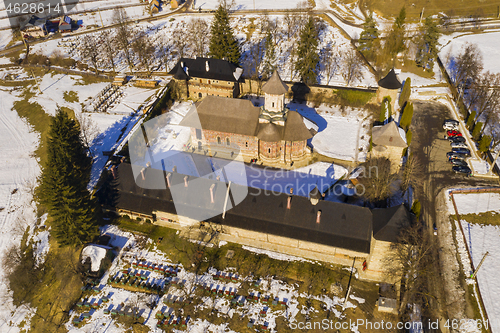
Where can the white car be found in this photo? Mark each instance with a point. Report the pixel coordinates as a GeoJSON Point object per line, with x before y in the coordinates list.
{"type": "Point", "coordinates": [450, 126]}
{"type": "Point", "coordinates": [459, 145]}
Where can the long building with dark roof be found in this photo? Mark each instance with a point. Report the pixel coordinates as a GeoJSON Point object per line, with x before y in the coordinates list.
{"type": "Point", "coordinates": [310, 228]}
{"type": "Point", "coordinates": [271, 134]}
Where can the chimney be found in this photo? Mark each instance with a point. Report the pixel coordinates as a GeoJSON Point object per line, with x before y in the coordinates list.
{"type": "Point", "coordinates": [168, 179]}
{"type": "Point", "coordinates": [207, 67]}
{"type": "Point", "coordinates": [142, 174]}
{"type": "Point", "coordinates": [318, 217]}
{"type": "Point", "coordinates": [212, 193]}
{"type": "Point", "coordinates": [113, 171]}
{"type": "Point", "coordinates": [289, 203]}
{"type": "Point", "coordinates": [185, 181]}
{"type": "Point", "coordinates": [182, 64]}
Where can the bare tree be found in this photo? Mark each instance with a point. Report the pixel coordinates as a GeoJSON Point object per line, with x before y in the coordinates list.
{"type": "Point", "coordinates": [352, 67]}
{"type": "Point", "coordinates": [145, 51]}
{"type": "Point", "coordinates": [109, 47]}
{"type": "Point", "coordinates": [180, 43]}
{"type": "Point", "coordinates": [484, 97]}
{"type": "Point", "coordinates": [377, 180]}
{"type": "Point", "coordinates": [330, 60]}
{"type": "Point", "coordinates": [89, 131]}
{"type": "Point", "coordinates": [411, 174]}
{"type": "Point", "coordinates": [123, 35]}
{"type": "Point", "coordinates": [199, 36]}
{"type": "Point", "coordinates": [466, 67]}
{"type": "Point", "coordinates": [90, 51]}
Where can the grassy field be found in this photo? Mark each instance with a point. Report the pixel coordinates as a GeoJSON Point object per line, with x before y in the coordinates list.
{"type": "Point", "coordinates": [391, 8]}
{"type": "Point", "coordinates": [490, 218]}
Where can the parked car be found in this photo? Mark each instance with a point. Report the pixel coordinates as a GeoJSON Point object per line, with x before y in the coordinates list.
{"type": "Point", "coordinates": [450, 126]}
{"type": "Point", "coordinates": [458, 145]}
{"type": "Point", "coordinates": [462, 169]}
{"type": "Point", "coordinates": [464, 151]}
{"type": "Point", "coordinates": [453, 155]}
{"type": "Point", "coordinates": [453, 133]}
{"type": "Point", "coordinates": [456, 139]}
{"type": "Point", "coordinates": [451, 121]}
{"type": "Point", "coordinates": [458, 162]}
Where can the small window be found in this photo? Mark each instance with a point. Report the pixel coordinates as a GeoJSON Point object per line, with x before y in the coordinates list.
{"type": "Point", "coordinates": [227, 142]}
{"type": "Point", "coordinates": [246, 144]}
{"type": "Point", "coordinates": [198, 134]}
{"type": "Point", "coordinates": [201, 81]}
{"type": "Point", "coordinates": [218, 140]}
{"type": "Point", "coordinates": [269, 150]}
{"type": "Point", "coordinates": [200, 95]}
{"type": "Point", "coordinates": [208, 81]}
{"type": "Point", "coordinates": [273, 104]}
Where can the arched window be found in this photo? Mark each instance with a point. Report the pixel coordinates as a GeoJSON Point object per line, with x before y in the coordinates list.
{"type": "Point", "coordinates": [227, 142]}
{"type": "Point", "coordinates": [269, 150]}
{"type": "Point", "coordinates": [273, 104]}
{"type": "Point", "coordinates": [246, 144]}
{"type": "Point", "coordinates": [218, 140]}
{"type": "Point", "coordinates": [200, 95]}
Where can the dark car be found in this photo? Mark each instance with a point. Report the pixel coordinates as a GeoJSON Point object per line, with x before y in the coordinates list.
{"type": "Point", "coordinates": [456, 139]}
{"type": "Point", "coordinates": [450, 121]}
{"type": "Point", "coordinates": [453, 133]}
{"type": "Point", "coordinates": [464, 151]}
{"type": "Point", "coordinates": [453, 155]}
{"type": "Point", "coordinates": [462, 169]}
{"type": "Point", "coordinates": [458, 162]}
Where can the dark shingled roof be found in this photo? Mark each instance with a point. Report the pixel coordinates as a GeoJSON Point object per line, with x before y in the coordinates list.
{"type": "Point", "coordinates": [274, 86]}
{"type": "Point", "coordinates": [390, 81]}
{"type": "Point", "coordinates": [228, 115]}
{"type": "Point", "coordinates": [295, 129]}
{"type": "Point", "coordinates": [270, 132]}
{"type": "Point", "coordinates": [217, 69]}
{"type": "Point", "coordinates": [388, 221]}
{"type": "Point", "coordinates": [341, 225]}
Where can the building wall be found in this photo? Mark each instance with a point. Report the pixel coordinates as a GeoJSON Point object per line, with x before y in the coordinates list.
{"type": "Point", "coordinates": [244, 144]}
{"type": "Point", "coordinates": [379, 263]}
{"type": "Point", "coordinates": [393, 93]}
{"type": "Point", "coordinates": [274, 102]}
{"type": "Point", "coordinates": [394, 154]}
{"type": "Point", "coordinates": [199, 88]}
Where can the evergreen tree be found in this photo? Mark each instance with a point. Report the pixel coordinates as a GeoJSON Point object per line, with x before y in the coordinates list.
{"type": "Point", "coordinates": [64, 183]}
{"type": "Point", "coordinates": [223, 44]}
{"type": "Point", "coordinates": [269, 57]}
{"type": "Point", "coordinates": [385, 109]}
{"type": "Point", "coordinates": [405, 93]}
{"type": "Point", "coordinates": [477, 130]}
{"type": "Point", "coordinates": [470, 119]}
{"type": "Point", "coordinates": [407, 116]}
{"type": "Point", "coordinates": [369, 34]}
{"type": "Point", "coordinates": [307, 53]}
{"type": "Point", "coordinates": [395, 37]}
{"type": "Point", "coordinates": [428, 44]}
{"type": "Point", "coordinates": [484, 143]}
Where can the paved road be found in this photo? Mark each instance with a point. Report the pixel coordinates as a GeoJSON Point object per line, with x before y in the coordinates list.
{"type": "Point", "coordinates": [430, 147]}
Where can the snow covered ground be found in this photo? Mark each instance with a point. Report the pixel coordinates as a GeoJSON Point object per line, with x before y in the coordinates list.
{"type": "Point", "coordinates": [482, 239]}
{"type": "Point", "coordinates": [18, 172]}
{"type": "Point", "coordinates": [130, 251]}
{"type": "Point", "coordinates": [249, 4]}
{"type": "Point", "coordinates": [342, 134]}
{"type": "Point", "coordinates": [486, 41]}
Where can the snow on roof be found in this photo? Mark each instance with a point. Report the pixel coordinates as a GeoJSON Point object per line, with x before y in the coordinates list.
{"type": "Point", "coordinates": [96, 254]}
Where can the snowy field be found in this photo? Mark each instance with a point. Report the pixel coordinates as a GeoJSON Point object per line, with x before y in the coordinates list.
{"type": "Point", "coordinates": [130, 252]}
{"type": "Point", "coordinates": [486, 41]}
{"type": "Point", "coordinates": [342, 134]}
{"type": "Point", "coordinates": [249, 4]}
{"type": "Point", "coordinates": [482, 239]}
{"type": "Point", "coordinates": [18, 172]}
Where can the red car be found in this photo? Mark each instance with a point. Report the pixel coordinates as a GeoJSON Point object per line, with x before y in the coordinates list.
{"type": "Point", "coordinates": [453, 133]}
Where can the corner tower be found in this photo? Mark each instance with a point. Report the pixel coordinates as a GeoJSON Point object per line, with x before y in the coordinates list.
{"type": "Point", "coordinates": [274, 110]}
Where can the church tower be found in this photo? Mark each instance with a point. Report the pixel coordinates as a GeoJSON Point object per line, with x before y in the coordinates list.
{"type": "Point", "coordinates": [274, 110]}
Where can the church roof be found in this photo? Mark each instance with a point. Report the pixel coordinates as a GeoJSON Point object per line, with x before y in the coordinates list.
{"type": "Point", "coordinates": [387, 222]}
{"type": "Point", "coordinates": [390, 81]}
{"type": "Point", "coordinates": [295, 129]}
{"type": "Point", "coordinates": [207, 68]}
{"type": "Point", "coordinates": [274, 86]}
{"type": "Point", "coordinates": [389, 135]}
{"type": "Point", "coordinates": [270, 132]}
{"type": "Point", "coordinates": [221, 114]}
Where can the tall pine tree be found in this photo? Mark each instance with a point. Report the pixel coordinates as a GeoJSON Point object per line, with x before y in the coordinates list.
{"type": "Point", "coordinates": [307, 53]}
{"type": "Point", "coordinates": [64, 183]}
{"type": "Point", "coordinates": [428, 44]}
{"type": "Point", "coordinates": [223, 44]}
{"type": "Point", "coordinates": [368, 35]}
{"type": "Point", "coordinates": [395, 41]}
{"type": "Point", "coordinates": [269, 58]}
